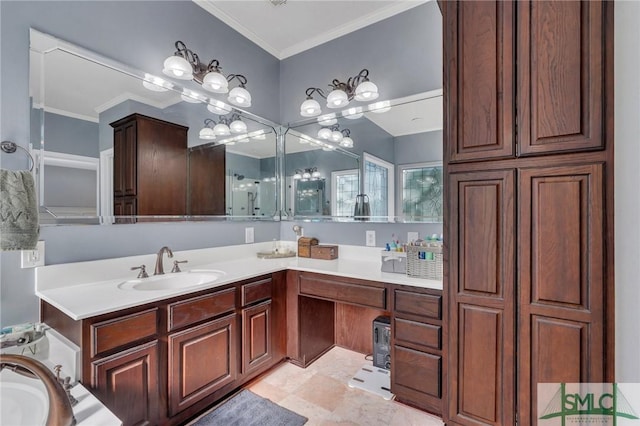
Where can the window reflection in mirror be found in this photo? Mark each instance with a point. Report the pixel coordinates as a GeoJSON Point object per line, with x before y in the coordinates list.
{"type": "Point", "coordinates": [75, 100]}
{"type": "Point", "coordinates": [320, 179]}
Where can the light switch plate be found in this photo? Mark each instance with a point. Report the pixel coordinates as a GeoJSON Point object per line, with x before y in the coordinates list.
{"type": "Point", "coordinates": [412, 236]}
{"type": "Point", "coordinates": [33, 258]}
{"type": "Point", "coordinates": [371, 238]}
{"type": "Point", "coordinates": [248, 235]}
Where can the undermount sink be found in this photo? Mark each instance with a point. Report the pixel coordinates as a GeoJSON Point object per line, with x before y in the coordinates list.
{"type": "Point", "coordinates": [24, 400]}
{"type": "Point", "coordinates": [173, 281]}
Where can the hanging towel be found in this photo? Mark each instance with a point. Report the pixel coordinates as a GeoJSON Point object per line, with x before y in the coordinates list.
{"type": "Point", "coordinates": [18, 211]}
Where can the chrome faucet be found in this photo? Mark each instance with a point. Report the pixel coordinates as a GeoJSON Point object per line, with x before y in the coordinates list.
{"type": "Point", "coordinates": [159, 267]}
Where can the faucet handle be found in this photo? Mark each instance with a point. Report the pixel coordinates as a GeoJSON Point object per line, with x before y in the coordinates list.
{"type": "Point", "coordinates": [143, 271]}
{"type": "Point", "coordinates": [176, 268]}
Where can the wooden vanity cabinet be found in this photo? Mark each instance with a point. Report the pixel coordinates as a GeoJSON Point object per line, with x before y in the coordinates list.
{"type": "Point", "coordinates": [164, 362]}
{"type": "Point", "coordinates": [416, 351]}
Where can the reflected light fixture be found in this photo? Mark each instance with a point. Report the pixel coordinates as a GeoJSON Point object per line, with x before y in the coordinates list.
{"type": "Point", "coordinates": [307, 173]}
{"type": "Point", "coordinates": [379, 107]}
{"type": "Point", "coordinates": [236, 125]}
{"type": "Point", "coordinates": [358, 87]}
{"type": "Point", "coordinates": [186, 65]}
{"type": "Point", "coordinates": [207, 131]}
{"type": "Point", "coordinates": [334, 134]}
{"type": "Point", "coordinates": [218, 107]}
{"type": "Point", "coordinates": [156, 84]}
{"type": "Point", "coordinates": [192, 96]}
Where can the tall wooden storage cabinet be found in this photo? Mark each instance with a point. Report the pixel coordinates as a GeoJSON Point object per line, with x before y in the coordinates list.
{"type": "Point", "coordinates": [529, 221]}
{"type": "Point", "coordinates": [149, 167]}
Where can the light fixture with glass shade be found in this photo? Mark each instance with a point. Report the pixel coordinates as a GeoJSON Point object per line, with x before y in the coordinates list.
{"type": "Point", "coordinates": [353, 113]}
{"type": "Point", "coordinates": [379, 107]}
{"type": "Point", "coordinates": [207, 132]}
{"type": "Point", "coordinates": [358, 87]}
{"type": "Point", "coordinates": [186, 65]}
{"type": "Point", "coordinates": [156, 84]}
{"type": "Point", "coordinates": [192, 96]}
{"type": "Point", "coordinates": [327, 119]}
{"type": "Point", "coordinates": [236, 125]}
{"type": "Point", "coordinates": [218, 107]}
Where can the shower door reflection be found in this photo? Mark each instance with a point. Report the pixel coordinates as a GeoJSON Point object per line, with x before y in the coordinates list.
{"type": "Point", "coordinates": [250, 196]}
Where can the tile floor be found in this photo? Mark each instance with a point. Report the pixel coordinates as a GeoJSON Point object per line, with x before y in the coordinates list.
{"type": "Point", "coordinates": [320, 393]}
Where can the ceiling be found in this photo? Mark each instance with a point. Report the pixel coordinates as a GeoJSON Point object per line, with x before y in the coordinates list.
{"type": "Point", "coordinates": [313, 22]}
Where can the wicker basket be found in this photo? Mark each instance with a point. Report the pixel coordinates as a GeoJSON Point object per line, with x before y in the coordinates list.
{"type": "Point", "coordinates": [425, 262]}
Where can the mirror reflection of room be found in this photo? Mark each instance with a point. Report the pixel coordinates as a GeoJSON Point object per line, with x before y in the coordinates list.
{"type": "Point", "coordinates": [118, 148]}
{"type": "Point", "coordinates": [389, 116]}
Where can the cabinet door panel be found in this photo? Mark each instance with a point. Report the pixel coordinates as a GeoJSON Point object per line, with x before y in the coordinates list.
{"type": "Point", "coordinates": [127, 383]}
{"type": "Point", "coordinates": [560, 76]}
{"type": "Point", "coordinates": [479, 74]}
{"type": "Point", "coordinates": [256, 339]}
{"type": "Point", "coordinates": [481, 298]}
{"type": "Point", "coordinates": [130, 160]}
{"type": "Point", "coordinates": [201, 360]}
{"type": "Point", "coordinates": [561, 311]}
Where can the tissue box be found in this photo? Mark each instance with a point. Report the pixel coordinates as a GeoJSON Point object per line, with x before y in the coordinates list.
{"type": "Point", "coordinates": [394, 261]}
{"type": "Point", "coordinates": [325, 252]}
{"type": "Point", "coordinates": [304, 246]}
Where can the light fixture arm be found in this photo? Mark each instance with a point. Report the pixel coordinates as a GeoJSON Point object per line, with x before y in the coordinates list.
{"type": "Point", "coordinates": [311, 90]}
{"type": "Point", "coordinates": [209, 123]}
{"type": "Point", "coordinates": [241, 78]}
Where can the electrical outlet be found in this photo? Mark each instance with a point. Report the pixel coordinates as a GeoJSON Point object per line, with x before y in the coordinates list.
{"type": "Point", "coordinates": [248, 235]}
{"type": "Point", "coordinates": [33, 258]}
{"type": "Point", "coordinates": [412, 236]}
{"type": "Point", "coordinates": [371, 238]}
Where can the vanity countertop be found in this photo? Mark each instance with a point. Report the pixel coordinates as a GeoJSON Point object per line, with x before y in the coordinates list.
{"type": "Point", "coordinates": [75, 289]}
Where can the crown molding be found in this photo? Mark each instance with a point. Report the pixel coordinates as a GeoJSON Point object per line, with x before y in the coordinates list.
{"type": "Point", "coordinates": [365, 20]}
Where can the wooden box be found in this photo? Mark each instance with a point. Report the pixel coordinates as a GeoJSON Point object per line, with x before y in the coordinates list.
{"type": "Point", "coordinates": [324, 252]}
{"type": "Point", "coordinates": [304, 246]}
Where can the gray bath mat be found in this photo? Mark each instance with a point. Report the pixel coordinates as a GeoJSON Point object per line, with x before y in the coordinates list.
{"type": "Point", "coordinates": [249, 409]}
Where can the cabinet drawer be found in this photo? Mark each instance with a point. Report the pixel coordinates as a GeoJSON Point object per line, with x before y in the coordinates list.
{"type": "Point", "coordinates": [110, 334]}
{"type": "Point", "coordinates": [424, 305]}
{"type": "Point", "coordinates": [255, 292]}
{"type": "Point", "coordinates": [191, 311]}
{"type": "Point", "coordinates": [343, 292]}
{"type": "Point", "coordinates": [417, 371]}
{"type": "Point", "coordinates": [419, 334]}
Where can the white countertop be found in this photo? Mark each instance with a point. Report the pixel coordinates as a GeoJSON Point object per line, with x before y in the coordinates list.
{"type": "Point", "coordinates": [85, 289]}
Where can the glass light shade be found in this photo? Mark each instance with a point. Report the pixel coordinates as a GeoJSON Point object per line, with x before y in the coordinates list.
{"type": "Point", "coordinates": [221, 129]}
{"type": "Point", "coordinates": [215, 82]}
{"type": "Point", "coordinates": [238, 126]}
{"type": "Point", "coordinates": [306, 175]}
{"type": "Point", "coordinates": [327, 119]}
{"type": "Point", "coordinates": [315, 174]}
{"type": "Point", "coordinates": [380, 107]}
{"type": "Point", "coordinates": [192, 96]}
{"type": "Point", "coordinates": [366, 91]}
{"type": "Point", "coordinates": [337, 99]}
{"type": "Point", "coordinates": [336, 136]}
{"type": "Point", "coordinates": [297, 176]}
{"type": "Point", "coordinates": [240, 96]}
{"type": "Point", "coordinates": [178, 67]}
{"type": "Point", "coordinates": [218, 107]}
{"type": "Point", "coordinates": [310, 108]}
{"type": "Point", "coordinates": [258, 135]}
{"type": "Point", "coordinates": [352, 113]}
{"type": "Point", "coordinates": [207, 133]}
{"type": "Point", "coordinates": [347, 142]}
{"type": "Point", "coordinates": [324, 133]}
{"type": "Point", "coordinates": [155, 84]}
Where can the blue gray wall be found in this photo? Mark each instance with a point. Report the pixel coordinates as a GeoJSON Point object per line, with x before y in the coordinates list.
{"type": "Point", "coordinates": [403, 55]}
{"type": "Point", "coordinates": [418, 148]}
{"type": "Point", "coordinates": [70, 135]}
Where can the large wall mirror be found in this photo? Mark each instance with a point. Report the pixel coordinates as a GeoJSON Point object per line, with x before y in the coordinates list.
{"type": "Point", "coordinates": [388, 157]}
{"type": "Point", "coordinates": [83, 110]}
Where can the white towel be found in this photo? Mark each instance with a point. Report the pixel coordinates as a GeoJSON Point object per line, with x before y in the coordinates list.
{"type": "Point", "coordinates": [19, 228]}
